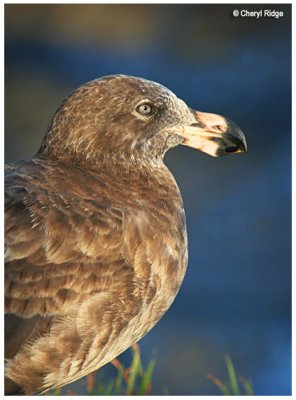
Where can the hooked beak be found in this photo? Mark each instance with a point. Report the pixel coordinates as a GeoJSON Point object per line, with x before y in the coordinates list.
{"type": "Point", "coordinates": [214, 135]}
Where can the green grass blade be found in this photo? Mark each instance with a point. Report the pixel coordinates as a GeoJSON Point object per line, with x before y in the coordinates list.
{"type": "Point", "coordinates": [232, 377]}
{"type": "Point", "coordinates": [119, 381]}
{"type": "Point", "coordinates": [232, 387]}
{"type": "Point", "coordinates": [109, 388]}
{"type": "Point", "coordinates": [133, 372]}
{"type": "Point", "coordinates": [247, 385]}
{"type": "Point", "coordinates": [145, 383]}
{"type": "Point", "coordinates": [101, 388]}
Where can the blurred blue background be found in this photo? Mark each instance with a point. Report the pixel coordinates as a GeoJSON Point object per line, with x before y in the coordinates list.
{"type": "Point", "coordinates": [236, 297]}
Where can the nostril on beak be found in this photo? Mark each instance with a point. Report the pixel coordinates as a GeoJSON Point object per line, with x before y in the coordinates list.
{"type": "Point", "coordinates": [220, 128]}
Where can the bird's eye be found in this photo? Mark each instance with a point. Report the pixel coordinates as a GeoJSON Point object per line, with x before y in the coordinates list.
{"type": "Point", "coordinates": [145, 109]}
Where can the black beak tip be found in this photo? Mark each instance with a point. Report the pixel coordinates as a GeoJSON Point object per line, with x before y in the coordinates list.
{"type": "Point", "coordinates": [236, 138]}
{"type": "Point", "coordinates": [244, 147]}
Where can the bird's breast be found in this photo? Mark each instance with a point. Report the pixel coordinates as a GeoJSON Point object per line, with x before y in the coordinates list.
{"type": "Point", "coordinates": [156, 242]}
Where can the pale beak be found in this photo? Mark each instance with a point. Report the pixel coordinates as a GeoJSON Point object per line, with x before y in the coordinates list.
{"type": "Point", "coordinates": [214, 135]}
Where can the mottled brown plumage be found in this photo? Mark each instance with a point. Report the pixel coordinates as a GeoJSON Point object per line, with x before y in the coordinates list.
{"type": "Point", "coordinates": [96, 245]}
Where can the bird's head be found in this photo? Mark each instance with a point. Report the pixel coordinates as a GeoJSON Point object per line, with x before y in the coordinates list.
{"type": "Point", "coordinates": [126, 118]}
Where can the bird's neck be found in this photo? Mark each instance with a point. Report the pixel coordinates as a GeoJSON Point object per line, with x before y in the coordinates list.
{"type": "Point", "coordinates": [100, 159]}
{"type": "Point", "coordinates": [144, 174]}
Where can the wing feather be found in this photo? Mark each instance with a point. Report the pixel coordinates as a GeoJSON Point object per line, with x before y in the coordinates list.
{"type": "Point", "coordinates": [59, 248]}
{"type": "Point", "coordinates": [67, 262]}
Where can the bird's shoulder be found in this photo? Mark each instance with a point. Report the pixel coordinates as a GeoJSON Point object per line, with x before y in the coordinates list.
{"type": "Point", "coordinates": [64, 238]}
{"type": "Point", "coordinates": [56, 208]}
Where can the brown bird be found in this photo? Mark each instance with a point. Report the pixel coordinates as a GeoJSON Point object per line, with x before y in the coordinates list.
{"type": "Point", "coordinates": [96, 243]}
